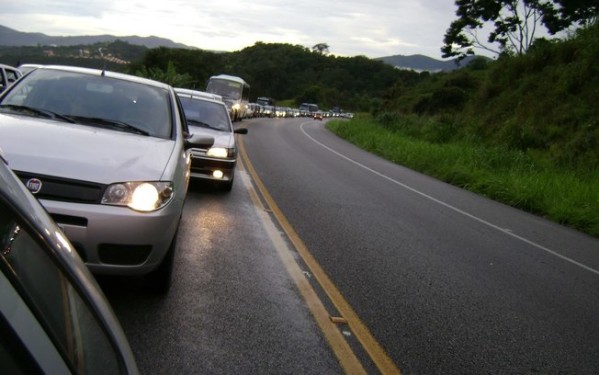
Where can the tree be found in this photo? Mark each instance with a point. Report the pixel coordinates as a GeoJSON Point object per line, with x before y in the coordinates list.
{"type": "Point", "coordinates": [515, 24]}
{"type": "Point", "coordinates": [321, 48]}
{"type": "Point", "coordinates": [169, 76]}
{"type": "Point", "coordinates": [571, 12]}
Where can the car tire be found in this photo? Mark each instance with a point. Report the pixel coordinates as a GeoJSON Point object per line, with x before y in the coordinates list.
{"type": "Point", "coordinates": [159, 281]}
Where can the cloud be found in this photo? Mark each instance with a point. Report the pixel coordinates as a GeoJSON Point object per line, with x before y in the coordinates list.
{"type": "Point", "coordinates": [373, 28]}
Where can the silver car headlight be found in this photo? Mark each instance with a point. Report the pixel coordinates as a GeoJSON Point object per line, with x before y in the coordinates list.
{"type": "Point", "coordinates": [139, 196]}
{"type": "Point", "coordinates": [220, 152]}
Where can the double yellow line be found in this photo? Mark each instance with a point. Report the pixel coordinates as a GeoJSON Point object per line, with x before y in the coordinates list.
{"type": "Point", "coordinates": [327, 323]}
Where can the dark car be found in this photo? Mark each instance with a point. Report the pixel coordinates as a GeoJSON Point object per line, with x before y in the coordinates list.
{"type": "Point", "coordinates": [54, 319]}
{"type": "Point", "coordinates": [207, 115]}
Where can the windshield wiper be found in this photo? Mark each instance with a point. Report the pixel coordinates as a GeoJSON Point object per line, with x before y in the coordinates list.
{"type": "Point", "coordinates": [37, 112]}
{"type": "Point", "coordinates": [201, 124]}
{"type": "Point", "coordinates": [111, 123]}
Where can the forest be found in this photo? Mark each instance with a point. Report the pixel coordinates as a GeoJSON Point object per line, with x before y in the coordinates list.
{"type": "Point", "coordinates": [542, 100]}
{"type": "Point", "coordinates": [285, 72]}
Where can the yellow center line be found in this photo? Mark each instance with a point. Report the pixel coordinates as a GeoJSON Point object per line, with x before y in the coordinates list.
{"type": "Point", "coordinates": [362, 333]}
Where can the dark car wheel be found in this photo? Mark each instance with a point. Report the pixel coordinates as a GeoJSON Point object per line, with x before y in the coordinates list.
{"type": "Point", "coordinates": [159, 281]}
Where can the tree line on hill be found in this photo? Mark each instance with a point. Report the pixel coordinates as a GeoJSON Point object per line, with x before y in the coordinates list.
{"type": "Point", "coordinates": [281, 71]}
{"type": "Point", "coordinates": [544, 99]}
{"type": "Point", "coordinates": [544, 102]}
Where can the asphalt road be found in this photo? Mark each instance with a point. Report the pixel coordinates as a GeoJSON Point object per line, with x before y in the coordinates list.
{"type": "Point", "coordinates": [446, 281]}
{"type": "Point", "coordinates": [232, 308]}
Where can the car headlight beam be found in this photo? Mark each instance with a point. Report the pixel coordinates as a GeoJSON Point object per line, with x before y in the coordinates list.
{"type": "Point", "coordinates": [218, 152]}
{"type": "Point", "coordinates": [139, 196]}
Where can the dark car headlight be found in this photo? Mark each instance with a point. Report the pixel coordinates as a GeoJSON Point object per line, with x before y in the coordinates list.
{"type": "Point", "coordinates": [139, 196]}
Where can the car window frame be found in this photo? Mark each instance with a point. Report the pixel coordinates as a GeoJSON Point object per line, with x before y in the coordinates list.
{"type": "Point", "coordinates": [34, 309]}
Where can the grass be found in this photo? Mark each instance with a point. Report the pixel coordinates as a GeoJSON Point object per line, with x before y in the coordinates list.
{"type": "Point", "coordinates": [513, 177]}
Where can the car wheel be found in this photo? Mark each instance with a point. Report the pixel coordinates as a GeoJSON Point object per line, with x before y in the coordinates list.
{"type": "Point", "coordinates": [159, 281]}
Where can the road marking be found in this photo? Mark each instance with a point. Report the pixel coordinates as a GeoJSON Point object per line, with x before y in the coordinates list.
{"type": "Point", "coordinates": [482, 221]}
{"type": "Point", "coordinates": [345, 355]}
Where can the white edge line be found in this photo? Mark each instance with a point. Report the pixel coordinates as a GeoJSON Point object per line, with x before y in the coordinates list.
{"type": "Point", "coordinates": [509, 233]}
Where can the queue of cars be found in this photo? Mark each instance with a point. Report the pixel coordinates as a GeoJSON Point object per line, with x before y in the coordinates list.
{"type": "Point", "coordinates": [271, 111]}
{"type": "Point", "coordinates": [94, 171]}
{"type": "Point", "coordinates": [108, 156]}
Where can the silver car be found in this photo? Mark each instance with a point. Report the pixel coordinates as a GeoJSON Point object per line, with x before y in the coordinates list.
{"type": "Point", "coordinates": [207, 115]}
{"type": "Point", "coordinates": [54, 319]}
{"type": "Point", "coordinates": [107, 155]}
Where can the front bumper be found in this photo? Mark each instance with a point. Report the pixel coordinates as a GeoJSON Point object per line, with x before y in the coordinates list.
{"type": "Point", "coordinates": [203, 167]}
{"type": "Point", "coordinates": [117, 240]}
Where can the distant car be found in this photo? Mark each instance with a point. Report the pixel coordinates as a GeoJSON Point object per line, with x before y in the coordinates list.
{"type": "Point", "coordinates": [209, 116]}
{"type": "Point", "coordinates": [8, 76]}
{"type": "Point", "coordinates": [318, 115]}
{"type": "Point", "coordinates": [107, 155]}
{"type": "Point", "coordinates": [54, 318]}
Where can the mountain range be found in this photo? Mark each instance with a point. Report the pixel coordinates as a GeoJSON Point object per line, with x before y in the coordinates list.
{"type": "Point", "coordinates": [425, 63]}
{"type": "Point", "coordinates": [14, 38]}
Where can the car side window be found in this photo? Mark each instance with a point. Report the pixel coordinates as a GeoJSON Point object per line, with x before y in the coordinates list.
{"type": "Point", "coordinates": [11, 76]}
{"type": "Point", "coordinates": [56, 304]}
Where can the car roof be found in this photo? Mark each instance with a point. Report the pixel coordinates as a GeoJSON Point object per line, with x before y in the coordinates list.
{"type": "Point", "coordinates": [29, 66]}
{"type": "Point", "coordinates": [7, 66]}
{"type": "Point", "coordinates": [195, 94]}
{"type": "Point", "coordinates": [106, 73]}
{"type": "Point", "coordinates": [230, 78]}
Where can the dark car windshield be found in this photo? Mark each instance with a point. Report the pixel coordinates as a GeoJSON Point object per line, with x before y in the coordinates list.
{"type": "Point", "coordinates": [206, 114]}
{"type": "Point", "coordinates": [136, 107]}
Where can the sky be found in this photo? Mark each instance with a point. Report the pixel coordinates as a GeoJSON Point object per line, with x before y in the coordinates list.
{"type": "Point", "coordinates": [372, 28]}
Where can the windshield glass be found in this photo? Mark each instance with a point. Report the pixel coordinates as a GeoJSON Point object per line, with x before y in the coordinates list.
{"type": "Point", "coordinates": [94, 100]}
{"type": "Point", "coordinates": [228, 89]}
{"type": "Point", "coordinates": [205, 113]}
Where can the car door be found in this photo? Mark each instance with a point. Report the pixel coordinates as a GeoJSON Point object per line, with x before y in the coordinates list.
{"type": "Point", "coordinates": [47, 323]}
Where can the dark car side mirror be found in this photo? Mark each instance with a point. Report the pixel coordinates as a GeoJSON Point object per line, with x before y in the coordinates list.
{"type": "Point", "coordinates": [198, 141]}
{"type": "Point", "coordinates": [241, 131]}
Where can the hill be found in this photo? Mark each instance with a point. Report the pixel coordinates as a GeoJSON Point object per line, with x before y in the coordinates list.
{"type": "Point", "coordinates": [14, 38]}
{"type": "Point", "coordinates": [543, 102]}
{"type": "Point", "coordinates": [421, 63]}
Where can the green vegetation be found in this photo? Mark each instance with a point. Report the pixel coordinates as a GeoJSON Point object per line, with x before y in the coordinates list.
{"type": "Point", "coordinates": [113, 56]}
{"type": "Point", "coordinates": [287, 72]}
{"type": "Point", "coordinates": [522, 130]}
{"type": "Point", "coordinates": [509, 176]}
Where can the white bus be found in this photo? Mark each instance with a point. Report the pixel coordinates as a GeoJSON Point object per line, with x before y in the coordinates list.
{"type": "Point", "coordinates": [235, 92]}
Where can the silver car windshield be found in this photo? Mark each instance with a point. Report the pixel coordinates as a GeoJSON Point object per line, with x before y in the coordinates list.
{"type": "Point", "coordinates": [93, 101]}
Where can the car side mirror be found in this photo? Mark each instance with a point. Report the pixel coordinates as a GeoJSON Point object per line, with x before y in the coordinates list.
{"type": "Point", "coordinates": [199, 141]}
{"type": "Point", "coordinates": [241, 131]}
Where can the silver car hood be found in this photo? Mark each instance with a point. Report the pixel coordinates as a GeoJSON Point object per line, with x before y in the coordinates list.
{"type": "Point", "coordinates": [221, 138]}
{"type": "Point", "coordinates": [82, 152]}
